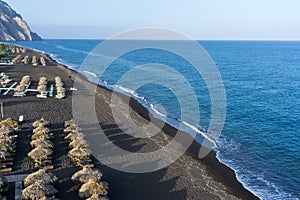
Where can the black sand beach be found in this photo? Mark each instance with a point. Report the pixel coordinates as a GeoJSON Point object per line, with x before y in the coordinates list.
{"type": "Point", "coordinates": [187, 178]}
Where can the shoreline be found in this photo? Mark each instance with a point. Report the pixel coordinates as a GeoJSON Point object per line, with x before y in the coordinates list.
{"type": "Point", "coordinates": [216, 168]}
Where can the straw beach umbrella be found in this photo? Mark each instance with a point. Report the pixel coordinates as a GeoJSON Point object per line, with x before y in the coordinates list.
{"type": "Point", "coordinates": [40, 153]}
{"type": "Point", "coordinates": [9, 123]}
{"type": "Point", "coordinates": [40, 176]}
{"type": "Point", "coordinates": [20, 88]}
{"type": "Point", "coordinates": [42, 78]}
{"type": "Point", "coordinates": [42, 142]}
{"type": "Point", "coordinates": [38, 191]}
{"type": "Point", "coordinates": [72, 136]}
{"type": "Point", "coordinates": [39, 128]}
{"type": "Point", "coordinates": [57, 79]}
{"type": "Point", "coordinates": [60, 89]}
{"type": "Point", "coordinates": [79, 142]}
{"type": "Point", "coordinates": [41, 88]}
{"type": "Point", "coordinates": [43, 81]}
{"type": "Point", "coordinates": [79, 153]}
{"type": "Point", "coordinates": [59, 84]}
{"type": "Point", "coordinates": [93, 187]}
{"type": "Point", "coordinates": [72, 129]}
{"type": "Point", "coordinates": [41, 121]}
{"type": "Point", "coordinates": [39, 134]}
{"type": "Point", "coordinates": [70, 123]}
{"type": "Point", "coordinates": [84, 175]}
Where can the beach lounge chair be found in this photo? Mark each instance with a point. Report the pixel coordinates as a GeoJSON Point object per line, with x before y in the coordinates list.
{"type": "Point", "coordinates": [42, 96]}
{"type": "Point", "coordinates": [6, 170]}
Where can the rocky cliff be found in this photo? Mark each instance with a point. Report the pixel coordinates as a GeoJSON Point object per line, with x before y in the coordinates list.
{"type": "Point", "coordinates": [13, 27]}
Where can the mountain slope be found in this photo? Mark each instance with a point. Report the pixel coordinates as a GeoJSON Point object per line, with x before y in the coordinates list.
{"type": "Point", "coordinates": [13, 27]}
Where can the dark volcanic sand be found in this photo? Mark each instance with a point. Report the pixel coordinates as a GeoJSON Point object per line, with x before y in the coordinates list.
{"type": "Point", "coordinates": [186, 178]}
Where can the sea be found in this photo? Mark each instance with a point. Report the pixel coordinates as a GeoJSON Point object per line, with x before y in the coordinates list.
{"type": "Point", "coordinates": [260, 139]}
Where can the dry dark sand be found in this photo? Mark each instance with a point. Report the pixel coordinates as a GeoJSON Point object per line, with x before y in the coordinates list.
{"type": "Point", "coordinates": [187, 178]}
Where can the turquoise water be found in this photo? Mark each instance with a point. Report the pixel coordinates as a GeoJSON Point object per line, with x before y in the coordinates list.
{"type": "Point", "coordinates": [260, 139]}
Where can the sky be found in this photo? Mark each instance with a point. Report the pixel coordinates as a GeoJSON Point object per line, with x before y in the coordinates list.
{"type": "Point", "coordinates": [197, 19]}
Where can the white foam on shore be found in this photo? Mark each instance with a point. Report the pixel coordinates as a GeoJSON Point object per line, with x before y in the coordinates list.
{"type": "Point", "coordinates": [90, 73]}
{"type": "Point", "coordinates": [163, 116]}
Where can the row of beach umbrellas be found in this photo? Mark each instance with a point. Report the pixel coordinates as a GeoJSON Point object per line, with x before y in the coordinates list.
{"type": "Point", "coordinates": [17, 50]}
{"type": "Point", "coordinates": [79, 152]}
{"type": "Point", "coordinates": [26, 60]}
{"type": "Point", "coordinates": [40, 142]}
{"type": "Point", "coordinates": [7, 139]}
{"type": "Point", "coordinates": [91, 186]}
{"type": "Point", "coordinates": [38, 185]}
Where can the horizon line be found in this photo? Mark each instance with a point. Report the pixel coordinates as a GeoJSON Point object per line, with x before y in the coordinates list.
{"type": "Point", "coordinates": [198, 39]}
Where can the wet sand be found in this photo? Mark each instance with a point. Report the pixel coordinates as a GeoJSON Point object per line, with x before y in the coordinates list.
{"type": "Point", "coordinates": [187, 178]}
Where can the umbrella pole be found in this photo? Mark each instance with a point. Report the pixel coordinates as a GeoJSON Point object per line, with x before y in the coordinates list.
{"type": "Point", "coordinates": [2, 113]}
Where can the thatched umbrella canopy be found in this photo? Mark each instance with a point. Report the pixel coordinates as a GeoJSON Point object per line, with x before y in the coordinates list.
{"type": "Point", "coordinates": [40, 134]}
{"type": "Point", "coordinates": [79, 142]}
{"type": "Point", "coordinates": [3, 183]}
{"type": "Point", "coordinates": [84, 175]}
{"type": "Point", "coordinates": [70, 123]}
{"type": "Point", "coordinates": [41, 176]}
{"type": "Point", "coordinates": [38, 191]}
{"type": "Point", "coordinates": [59, 84]}
{"type": "Point", "coordinates": [60, 89]}
{"type": "Point", "coordinates": [20, 88]}
{"type": "Point", "coordinates": [57, 79]}
{"type": "Point", "coordinates": [42, 142]}
{"type": "Point", "coordinates": [42, 78]}
{"type": "Point", "coordinates": [40, 153]}
{"type": "Point", "coordinates": [10, 123]}
{"type": "Point", "coordinates": [41, 88]}
{"type": "Point", "coordinates": [43, 82]}
{"type": "Point", "coordinates": [79, 153]}
{"type": "Point", "coordinates": [97, 197]}
{"type": "Point", "coordinates": [4, 155]}
{"type": "Point", "coordinates": [93, 187]}
{"type": "Point", "coordinates": [73, 136]}
{"type": "Point", "coordinates": [25, 79]}
{"type": "Point", "coordinates": [39, 128]}
{"type": "Point", "coordinates": [41, 121]}
{"type": "Point", "coordinates": [72, 129]}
